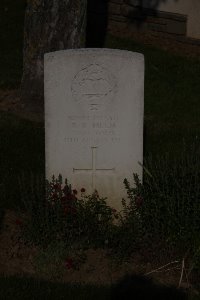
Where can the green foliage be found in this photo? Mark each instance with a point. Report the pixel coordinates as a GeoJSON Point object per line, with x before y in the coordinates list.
{"type": "Point", "coordinates": [165, 208]}
{"type": "Point", "coordinates": [167, 202]}
{"type": "Point", "coordinates": [55, 213]}
{"type": "Point", "coordinates": [171, 89]}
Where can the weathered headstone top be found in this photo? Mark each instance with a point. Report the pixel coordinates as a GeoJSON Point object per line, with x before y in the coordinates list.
{"type": "Point", "coordinates": [94, 118]}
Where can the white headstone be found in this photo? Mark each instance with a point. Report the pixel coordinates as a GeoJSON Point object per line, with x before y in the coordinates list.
{"type": "Point", "coordinates": [94, 118]}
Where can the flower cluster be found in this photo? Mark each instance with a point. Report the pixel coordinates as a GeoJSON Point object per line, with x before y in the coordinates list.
{"type": "Point", "coordinates": [64, 196]}
{"type": "Point", "coordinates": [18, 222]}
{"type": "Point", "coordinates": [69, 263]}
{"type": "Point", "coordinates": [138, 201]}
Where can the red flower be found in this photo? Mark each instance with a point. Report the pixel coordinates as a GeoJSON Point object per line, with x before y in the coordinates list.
{"type": "Point", "coordinates": [57, 186]}
{"type": "Point", "coordinates": [69, 263]}
{"type": "Point", "coordinates": [18, 222]}
{"type": "Point", "coordinates": [83, 190]}
{"type": "Point", "coordinates": [73, 198]}
{"type": "Point", "coordinates": [70, 210]}
{"type": "Point", "coordinates": [75, 192]}
{"type": "Point", "coordinates": [64, 198]}
{"type": "Point", "coordinates": [65, 209]}
{"type": "Point", "coordinates": [73, 210]}
{"type": "Point", "coordinates": [138, 201]}
{"type": "Point", "coordinates": [55, 196]}
{"type": "Point", "coordinates": [67, 196]}
{"type": "Point", "coordinates": [70, 197]}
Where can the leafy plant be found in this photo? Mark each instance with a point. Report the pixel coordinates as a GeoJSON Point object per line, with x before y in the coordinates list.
{"type": "Point", "coordinates": [55, 212]}
{"type": "Point", "coordinates": [167, 202]}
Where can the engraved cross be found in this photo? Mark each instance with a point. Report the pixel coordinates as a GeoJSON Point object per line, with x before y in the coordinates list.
{"type": "Point", "coordinates": [93, 169]}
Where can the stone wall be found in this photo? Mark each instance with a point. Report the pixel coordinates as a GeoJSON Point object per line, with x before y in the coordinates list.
{"type": "Point", "coordinates": [171, 18]}
{"type": "Point", "coordinates": [135, 18]}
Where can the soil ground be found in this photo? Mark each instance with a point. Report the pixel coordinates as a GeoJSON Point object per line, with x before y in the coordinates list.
{"type": "Point", "coordinates": [17, 258]}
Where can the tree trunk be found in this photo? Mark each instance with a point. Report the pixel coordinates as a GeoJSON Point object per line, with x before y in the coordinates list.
{"type": "Point", "coordinates": [50, 25]}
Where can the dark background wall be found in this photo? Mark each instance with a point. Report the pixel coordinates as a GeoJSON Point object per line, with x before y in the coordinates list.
{"type": "Point", "coordinates": [128, 15]}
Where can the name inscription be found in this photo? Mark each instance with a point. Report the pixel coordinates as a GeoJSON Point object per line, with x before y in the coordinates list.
{"type": "Point", "coordinates": [91, 140]}
{"type": "Point", "coordinates": [93, 129]}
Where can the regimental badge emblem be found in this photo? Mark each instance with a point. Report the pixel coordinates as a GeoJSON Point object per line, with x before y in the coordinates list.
{"type": "Point", "coordinates": [94, 86]}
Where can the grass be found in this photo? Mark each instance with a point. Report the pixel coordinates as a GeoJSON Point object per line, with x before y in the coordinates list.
{"type": "Point", "coordinates": [172, 112]}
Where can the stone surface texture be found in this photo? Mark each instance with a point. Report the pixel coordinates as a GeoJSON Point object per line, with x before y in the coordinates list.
{"type": "Point", "coordinates": [94, 118]}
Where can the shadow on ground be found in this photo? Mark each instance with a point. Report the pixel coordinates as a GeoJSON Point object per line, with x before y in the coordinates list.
{"type": "Point", "coordinates": [29, 288]}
